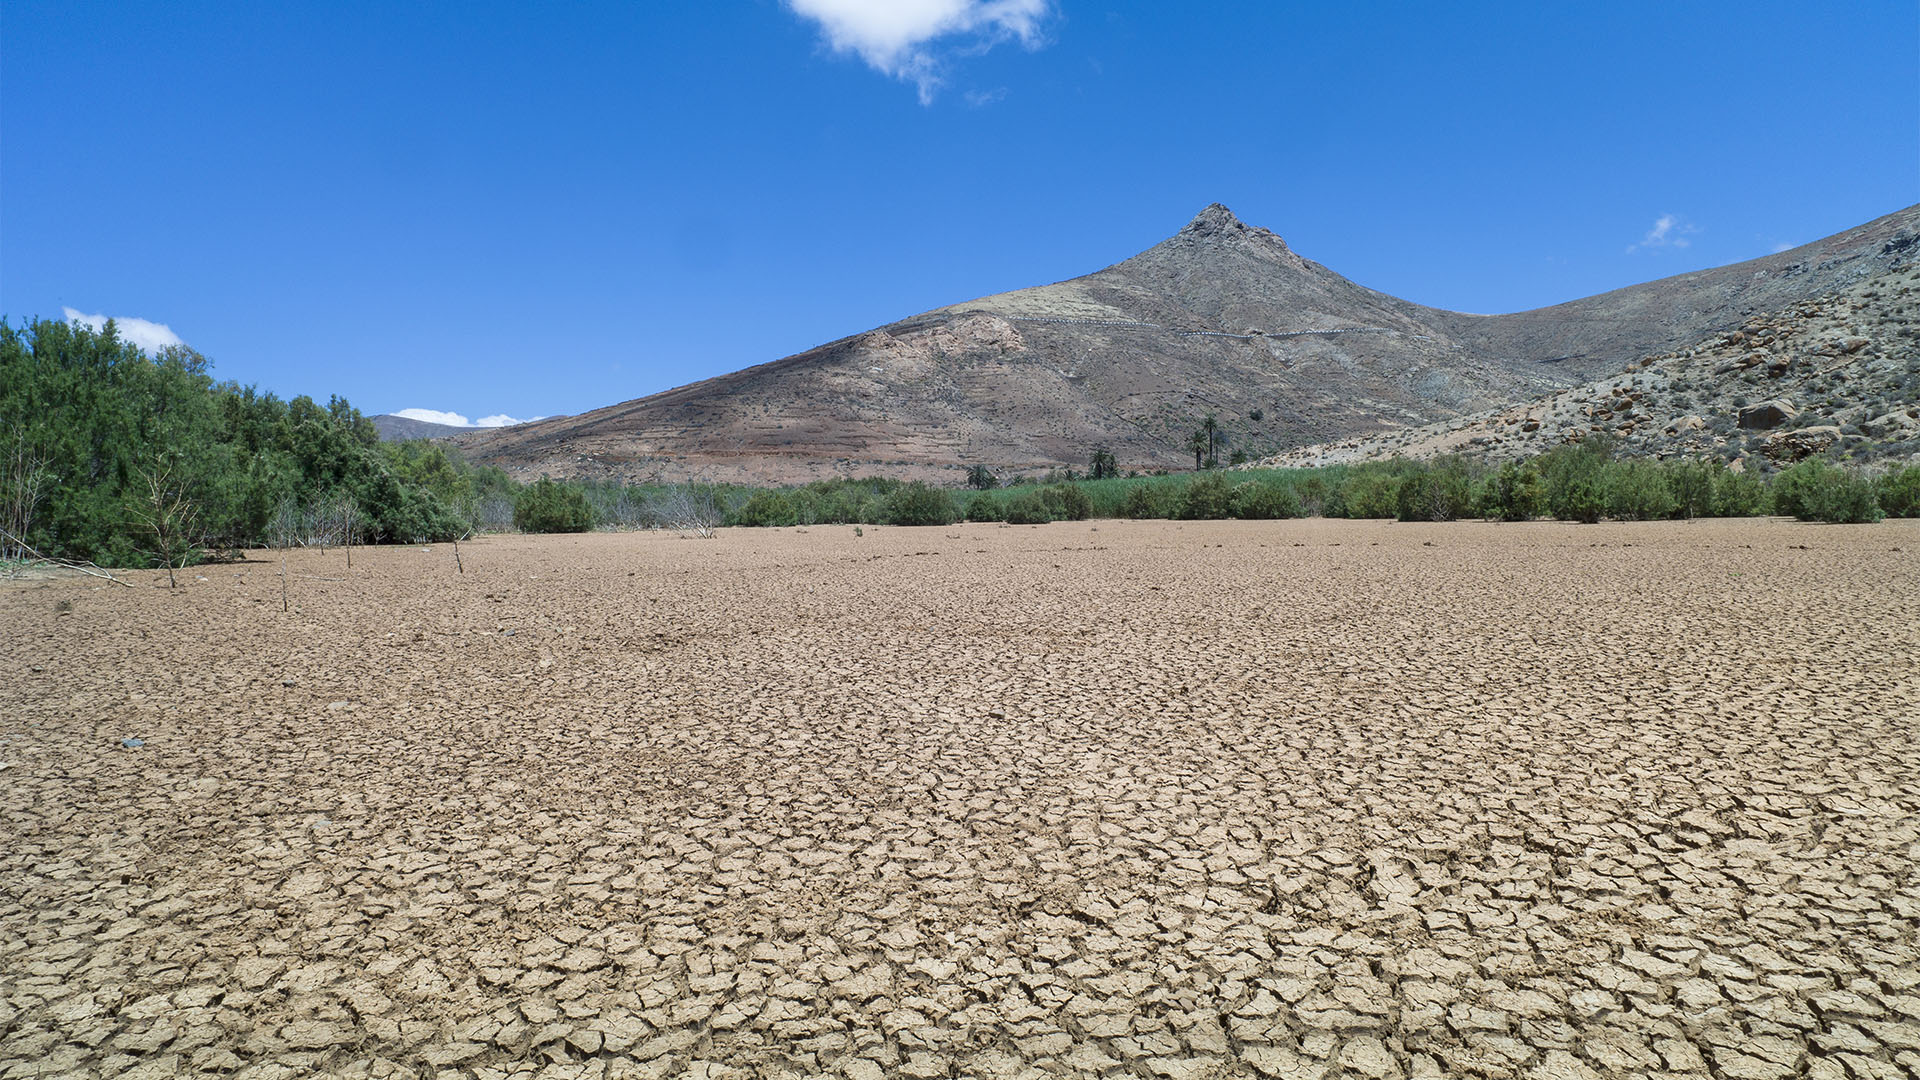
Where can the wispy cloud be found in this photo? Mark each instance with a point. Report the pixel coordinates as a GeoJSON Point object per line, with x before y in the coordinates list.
{"type": "Point", "coordinates": [1781, 245]}
{"type": "Point", "coordinates": [148, 336]}
{"type": "Point", "coordinates": [899, 37]}
{"type": "Point", "coordinates": [454, 419]}
{"type": "Point", "coordinates": [1669, 230]}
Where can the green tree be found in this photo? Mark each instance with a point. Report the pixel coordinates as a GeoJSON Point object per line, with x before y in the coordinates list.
{"type": "Point", "coordinates": [920, 503]}
{"type": "Point", "coordinates": [1900, 493]}
{"type": "Point", "coordinates": [1028, 508]}
{"type": "Point", "coordinates": [981, 478]}
{"type": "Point", "coordinates": [549, 507]}
{"type": "Point", "coordinates": [1103, 466]}
{"type": "Point", "coordinates": [1638, 491]}
{"type": "Point", "coordinates": [1574, 478]}
{"type": "Point", "coordinates": [1207, 498]}
{"type": "Point", "coordinates": [1512, 493]}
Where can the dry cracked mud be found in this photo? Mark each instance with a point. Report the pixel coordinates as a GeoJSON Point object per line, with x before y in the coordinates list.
{"type": "Point", "coordinates": [1275, 799]}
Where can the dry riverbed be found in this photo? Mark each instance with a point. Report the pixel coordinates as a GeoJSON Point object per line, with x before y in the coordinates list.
{"type": "Point", "coordinates": [1128, 799]}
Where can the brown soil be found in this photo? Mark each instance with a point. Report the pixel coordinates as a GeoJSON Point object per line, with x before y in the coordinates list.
{"type": "Point", "coordinates": [1127, 799]}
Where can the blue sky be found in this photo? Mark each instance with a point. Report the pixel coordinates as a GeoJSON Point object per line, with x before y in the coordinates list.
{"type": "Point", "coordinates": [528, 209]}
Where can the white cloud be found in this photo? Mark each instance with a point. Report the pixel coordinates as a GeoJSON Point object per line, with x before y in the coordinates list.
{"type": "Point", "coordinates": [1781, 245]}
{"type": "Point", "coordinates": [454, 419]}
{"type": "Point", "coordinates": [895, 36]}
{"type": "Point", "coordinates": [148, 336]}
{"type": "Point", "coordinates": [1669, 230]}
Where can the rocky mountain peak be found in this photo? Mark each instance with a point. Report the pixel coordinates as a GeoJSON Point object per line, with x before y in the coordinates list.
{"type": "Point", "coordinates": [1217, 222]}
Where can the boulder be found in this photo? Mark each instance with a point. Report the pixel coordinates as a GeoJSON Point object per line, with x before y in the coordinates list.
{"type": "Point", "coordinates": [1805, 442]}
{"type": "Point", "coordinates": [1766, 415]}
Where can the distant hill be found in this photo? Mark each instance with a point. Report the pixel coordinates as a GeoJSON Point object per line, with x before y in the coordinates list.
{"type": "Point", "coordinates": [1222, 318]}
{"type": "Point", "coordinates": [401, 428]}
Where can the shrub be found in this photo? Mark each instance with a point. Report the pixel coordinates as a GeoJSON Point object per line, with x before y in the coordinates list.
{"type": "Point", "coordinates": [1438, 493]}
{"type": "Point", "coordinates": [1208, 498]}
{"type": "Point", "coordinates": [1143, 501]}
{"type": "Point", "coordinates": [1738, 494]}
{"type": "Point", "coordinates": [1264, 502]}
{"type": "Point", "coordinates": [1816, 491]}
{"type": "Point", "coordinates": [1693, 484]}
{"type": "Point", "coordinates": [1067, 502]}
{"type": "Point", "coordinates": [1369, 493]}
{"type": "Point", "coordinates": [767, 509]}
{"type": "Point", "coordinates": [1638, 491]}
{"type": "Point", "coordinates": [1512, 494]}
{"type": "Point", "coordinates": [1313, 492]}
{"type": "Point", "coordinates": [983, 508]}
{"type": "Point", "coordinates": [1793, 490]}
{"type": "Point", "coordinates": [1900, 493]}
{"type": "Point", "coordinates": [919, 503]}
{"type": "Point", "coordinates": [1028, 508]}
{"type": "Point", "coordinates": [547, 507]}
{"type": "Point", "coordinates": [1573, 478]}
{"type": "Point", "coordinates": [1848, 499]}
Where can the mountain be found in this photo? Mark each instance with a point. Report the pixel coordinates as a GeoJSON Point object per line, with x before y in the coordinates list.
{"type": "Point", "coordinates": [1222, 318]}
{"type": "Point", "coordinates": [401, 428]}
{"type": "Point", "coordinates": [1839, 372]}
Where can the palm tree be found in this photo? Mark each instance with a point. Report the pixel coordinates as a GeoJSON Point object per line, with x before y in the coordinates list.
{"type": "Point", "coordinates": [1197, 442]}
{"type": "Point", "coordinates": [1215, 439]}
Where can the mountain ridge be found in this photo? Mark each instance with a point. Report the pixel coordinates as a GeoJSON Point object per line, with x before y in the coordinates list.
{"type": "Point", "coordinates": [1221, 317]}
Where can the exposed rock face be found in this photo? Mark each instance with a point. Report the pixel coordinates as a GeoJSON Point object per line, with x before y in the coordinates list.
{"type": "Point", "coordinates": [1767, 415]}
{"type": "Point", "coordinates": [1221, 318]}
{"type": "Point", "coordinates": [1791, 446]}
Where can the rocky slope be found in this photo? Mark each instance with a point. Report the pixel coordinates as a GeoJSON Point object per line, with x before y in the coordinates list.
{"type": "Point", "coordinates": [1222, 318]}
{"type": "Point", "coordinates": [1840, 371]}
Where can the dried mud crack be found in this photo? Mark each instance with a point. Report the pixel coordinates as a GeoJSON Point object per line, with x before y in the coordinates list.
{"type": "Point", "coordinates": [1286, 799]}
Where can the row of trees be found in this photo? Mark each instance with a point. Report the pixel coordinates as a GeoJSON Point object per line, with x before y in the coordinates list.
{"type": "Point", "coordinates": [112, 456]}
{"type": "Point", "coordinates": [123, 459]}
{"type": "Point", "coordinates": [1575, 483]}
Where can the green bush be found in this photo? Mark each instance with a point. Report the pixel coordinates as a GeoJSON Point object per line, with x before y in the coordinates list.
{"type": "Point", "coordinates": [548, 507]}
{"type": "Point", "coordinates": [1638, 491]}
{"type": "Point", "coordinates": [1816, 491]}
{"type": "Point", "coordinates": [1369, 493]}
{"type": "Point", "coordinates": [1208, 498]}
{"type": "Point", "coordinates": [1850, 499]}
{"type": "Point", "coordinates": [1693, 484]}
{"type": "Point", "coordinates": [1028, 508]}
{"type": "Point", "coordinates": [1259, 501]}
{"type": "Point", "coordinates": [1440, 492]}
{"type": "Point", "coordinates": [1511, 494]}
{"type": "Point", "coordinates": [1574, 481]}
{"type": "Point", "coordinates": [1795, 489]}
{"type": "Point", "coordinates": [1144, 501]}
{"type": "Point", "coordinates": [1739, 494]}
{"type": "Point", "coordinates": [1900, 493]}
{"type": "Point", "coordinates": [984, 508]}
{"type": "Point", "coordinates": [1314, 493]}
{"type": "Point", "coordinates": [1066, 502]}
{"type": "Point", "coordinates": [767, 509]}
{"type": "Point", "coordinates": [919, 503]}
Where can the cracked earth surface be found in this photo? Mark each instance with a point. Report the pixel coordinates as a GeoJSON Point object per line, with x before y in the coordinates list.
{"type": "Point", "coordinates": [1130, 799]}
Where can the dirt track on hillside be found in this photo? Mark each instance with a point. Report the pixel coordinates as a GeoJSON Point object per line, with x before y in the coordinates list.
{"type": "Point", "coordinates": [1114, 798]}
